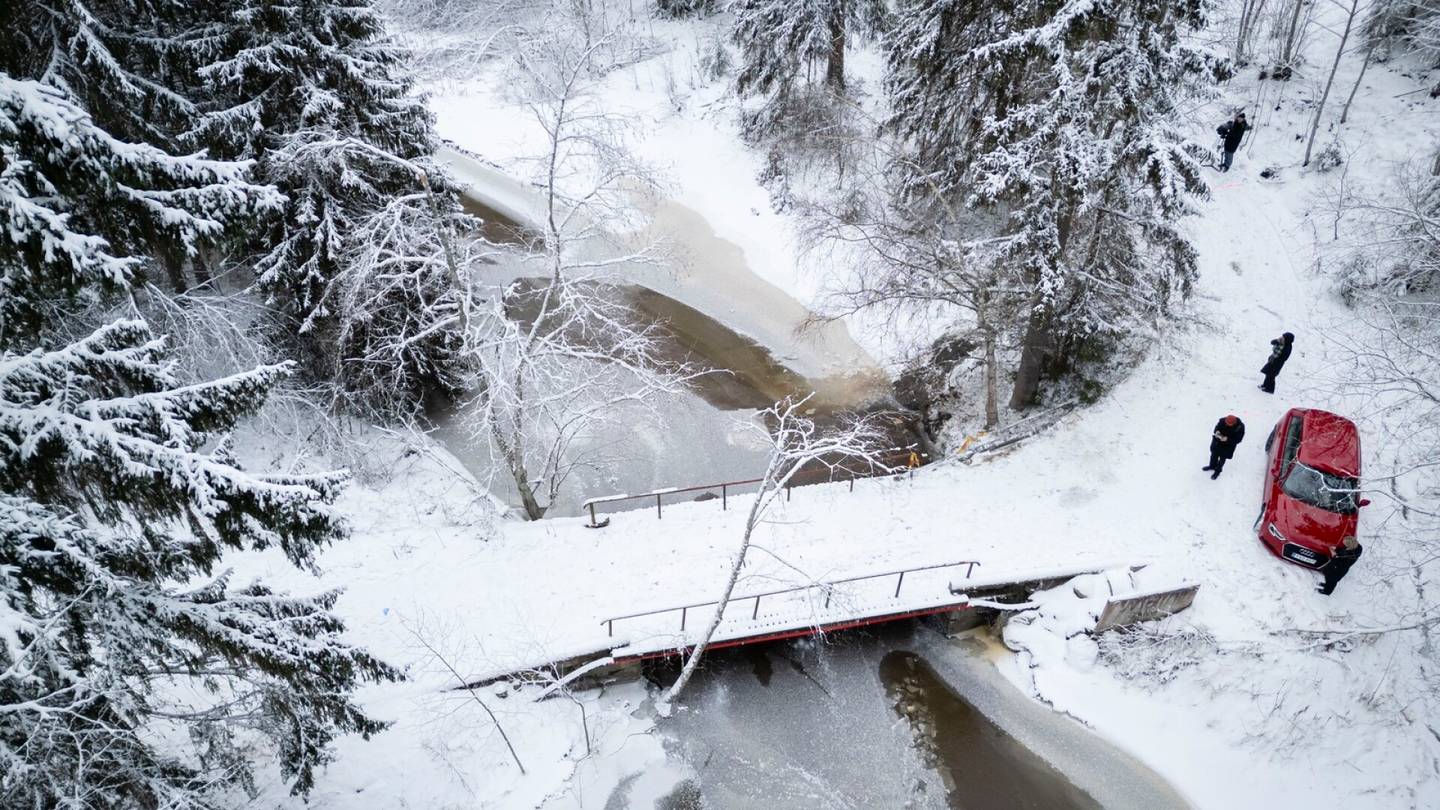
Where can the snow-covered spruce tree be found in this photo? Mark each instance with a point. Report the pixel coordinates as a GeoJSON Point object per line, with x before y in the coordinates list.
{"type": "Point", "coordinates": [780, 39]}
{"type": "Point", "coordinates": [1057, 115]}
{"type": "Point", "coordinates": [281, 67]}
{"type": "Point", "coordinates": [83, 214]}
{"type": "Point", "coordinates": [315, 92]}
{"type": "Point", "coordinates": [677, 9]}
{"type": "Point", "coordinates": [118, 59]}
{"type": "Point", "coordinates": [369, 295]}
{"type": "Point", "coordinates": [121, 634]}
{"type": "Point", "coordinates": [781, 43]}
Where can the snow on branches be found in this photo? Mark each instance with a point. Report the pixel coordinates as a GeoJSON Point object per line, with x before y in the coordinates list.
{"type": "Point", "coordinates": [1058, 113]}
{"type": "Point", "coordinates": [356, 274]}
{"type": "Point", "coordinates": [796, 443]}
{"type": "Point", "coordinates": [116, 629]}
{"type": "Point", "coordinates": [317, 94]}
{"type": "Point", "coordinates": [83, 213]}
{"type": "Point", "coordinates": [277, 68]}
{"type": "Point", "coordinates": [781, 39]}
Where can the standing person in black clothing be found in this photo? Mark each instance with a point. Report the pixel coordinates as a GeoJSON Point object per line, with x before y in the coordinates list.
{"type": "Point", "coordinates": [1279, 353]}
{"type": "Point", "coordinates": [1229, 432]}
{"type": "Point", "coordinates": [1339, 565]}
{"type": "Point", "coordinates": [1230, 133]}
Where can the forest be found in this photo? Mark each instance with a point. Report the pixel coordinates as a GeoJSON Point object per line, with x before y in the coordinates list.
{"type": "Point", "coordinates": [240, 284]}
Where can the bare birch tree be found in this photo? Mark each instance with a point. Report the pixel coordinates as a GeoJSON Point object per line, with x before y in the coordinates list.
{"type": "Point", "coordinates": [1352, 10]}
{"type": "Point", "coordinates": [1250, 11]}
{"type": "Point", "coordinates": [900, 266]}
{"type": "Point", "coordinates": [905, 264]}
{"type": "Point", "coordinates": [558, 352]}
{"type": "Point", "coordinates": [558, 361]}
{"type": "Point", "coordinates": [1387, 369]}
{"type": "Point", "coordinates": [1379, 16]}
{"type": "Point", "coordinates": [796, 443]}
{"type": "Point", "coordinates": [1290, 22]}
{"type": "Point", "coordinates": [1391, 244]}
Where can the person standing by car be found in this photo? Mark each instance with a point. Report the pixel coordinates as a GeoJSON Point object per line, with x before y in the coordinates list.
{"type": "Point", "coordinates": [1229, 432]}
{"type": "Point", "coordinates": [1279, 353]}
{"type": "Point", "coordinates": [1230, 134]}
{"type": "Point", "coordinates": [1339, 565]}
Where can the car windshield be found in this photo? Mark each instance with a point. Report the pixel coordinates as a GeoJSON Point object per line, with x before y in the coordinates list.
{"type": "Point", "coordinates": [1333, 493]}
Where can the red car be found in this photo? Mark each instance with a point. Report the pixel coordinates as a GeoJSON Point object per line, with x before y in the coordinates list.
{"type": "Point", "coordinates": [1311, 501]}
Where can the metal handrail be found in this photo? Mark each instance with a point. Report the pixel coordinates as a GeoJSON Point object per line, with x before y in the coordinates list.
{"type": "Point", "coordinates": [903, 453]}
{"type": "Point", "coordinates": [829, 586]}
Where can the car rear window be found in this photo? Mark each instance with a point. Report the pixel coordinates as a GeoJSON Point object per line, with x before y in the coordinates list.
{"type": "Point", "coordinates": [1332, 493]}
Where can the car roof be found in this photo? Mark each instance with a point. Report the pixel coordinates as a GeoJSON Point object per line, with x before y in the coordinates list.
{"type": "Point", "coordinates": [1329, 442]}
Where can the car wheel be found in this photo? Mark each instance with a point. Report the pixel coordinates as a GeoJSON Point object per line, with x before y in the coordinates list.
{"type": "Point", "coordinates": [1270, 441]}
{"type": "Point", "coordinates": [1259, 517]}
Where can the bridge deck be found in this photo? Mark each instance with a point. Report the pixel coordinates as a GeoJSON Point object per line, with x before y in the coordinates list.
{"type": "Point", "coordinates": [825, 607]}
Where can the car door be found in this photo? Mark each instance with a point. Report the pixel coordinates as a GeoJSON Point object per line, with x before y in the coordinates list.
{"type": "Point", "coordinates": [1282, 447]}
{"type": "Point", "coordinates": [1284, 459]}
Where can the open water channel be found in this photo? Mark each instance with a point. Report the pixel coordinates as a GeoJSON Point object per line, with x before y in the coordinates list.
{"type": "Point", "coordinates": [893, 717]}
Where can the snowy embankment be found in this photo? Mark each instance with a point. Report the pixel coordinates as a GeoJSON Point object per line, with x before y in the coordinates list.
{"type": "Point", "coordinates": [1256, 715]}
{"type": "Point", "coordinates": [726, 252]}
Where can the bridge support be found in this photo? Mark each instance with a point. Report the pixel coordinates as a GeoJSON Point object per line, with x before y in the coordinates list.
{"type": "Point", "coordinates": [959, 621]}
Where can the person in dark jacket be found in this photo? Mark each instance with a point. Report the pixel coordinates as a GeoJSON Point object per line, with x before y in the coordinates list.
{"type": "Point", "coordinates": [1279, 353]}
{"type": "Point", "coordinates": [1229, 432]}
{"type": "Point", "coordinates": [1230, 133]}
{"type": "Point", "coordinates": [1339, 565]}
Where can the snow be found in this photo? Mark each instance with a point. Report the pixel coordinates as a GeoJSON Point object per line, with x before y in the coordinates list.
{"type": "Point", "coordinates": [736, 258]}
{"type": "Point", "coordinates": [748, 615]}
{"type": "Point", "coordinates": [1264, 718]}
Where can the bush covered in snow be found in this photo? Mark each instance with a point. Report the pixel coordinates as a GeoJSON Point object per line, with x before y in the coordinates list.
{"type": "Point", "coordinates": [1329, 158]}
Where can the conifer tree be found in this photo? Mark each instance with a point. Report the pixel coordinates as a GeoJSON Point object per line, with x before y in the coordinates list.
{"type": "Point", "coordinates": [780, 41]}
{"type": "Point", "coordinates": [120, 60]}
{"type": "Point", "coordinates": [120, 632]}
{"type": "Point", "coordinates": [118, 628]}
{"type": "Point", "coordinates": [320, 98]}
{"type": "Point", "coordinates": [83, 214]}
{"type": "Point", "coordinates": [1057, 115]}
{"type": "Point", "coordinates": [281, 67]}
{"type": "Point", "coordinates": [678, 9]}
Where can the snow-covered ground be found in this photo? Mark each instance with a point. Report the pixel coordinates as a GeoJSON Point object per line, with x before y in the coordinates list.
{"type": "Point", "coordinates": [1261, 716]}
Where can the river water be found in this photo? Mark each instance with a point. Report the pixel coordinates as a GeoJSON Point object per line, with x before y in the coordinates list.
{"type": "Point", "coordinates": [714, 312]}
{"type": "Point", "coordinates": [896, 717]}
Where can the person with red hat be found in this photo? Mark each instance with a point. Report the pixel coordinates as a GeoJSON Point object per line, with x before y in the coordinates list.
{"type": "Point", "coordinates": [1229, 432]}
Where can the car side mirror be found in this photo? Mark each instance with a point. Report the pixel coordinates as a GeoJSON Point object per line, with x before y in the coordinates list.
{"type": "Point", "coordinates": [1364, 502]}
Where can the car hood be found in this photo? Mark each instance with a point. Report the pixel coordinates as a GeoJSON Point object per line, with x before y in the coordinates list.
{"type": "Point", "coordinates": [1311, 526]}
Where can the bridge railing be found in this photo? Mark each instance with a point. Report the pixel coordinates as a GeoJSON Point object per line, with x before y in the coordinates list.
{"type": "Point", "coordinates": [828, 587]}
{"type": "Point", "coordinates": [896, 461]}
